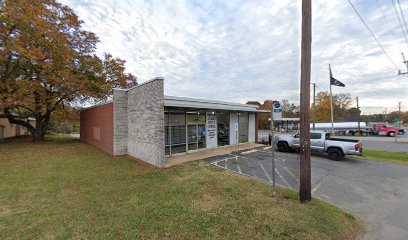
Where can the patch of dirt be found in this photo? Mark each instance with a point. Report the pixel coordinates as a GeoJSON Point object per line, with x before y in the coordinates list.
{"type": "Point", "coordinates": [207, 202]}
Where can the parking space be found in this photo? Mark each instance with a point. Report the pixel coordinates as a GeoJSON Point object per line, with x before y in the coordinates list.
{"type": "Point", "coordinates": [257, 163]}
{"type": "Point", "coordinates": [373, 190]}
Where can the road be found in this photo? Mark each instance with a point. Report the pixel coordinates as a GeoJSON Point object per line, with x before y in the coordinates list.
{"type": "Point", "coordinates": [374, 191]}
{"type": "Point", "coordinates": [370, 142]}
{"type": "Point", "coordinates": [383, 143]}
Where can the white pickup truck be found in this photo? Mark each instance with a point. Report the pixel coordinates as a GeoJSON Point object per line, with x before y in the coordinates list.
{"type": "Point", "coordinates": [321, 141]}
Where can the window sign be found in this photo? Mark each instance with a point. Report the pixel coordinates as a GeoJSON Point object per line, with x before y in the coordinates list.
{"type": "Point", "coordinates": [211, 129]}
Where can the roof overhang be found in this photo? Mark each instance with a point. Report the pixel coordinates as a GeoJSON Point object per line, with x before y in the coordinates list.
{"type": "Point", "coordinates": [183, 102]}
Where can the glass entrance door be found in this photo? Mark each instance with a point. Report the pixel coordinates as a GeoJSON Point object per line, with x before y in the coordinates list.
{"type": "Point", "coordinates": [192, 137]}
{"type": "Point", "coordinates": [195, 130]}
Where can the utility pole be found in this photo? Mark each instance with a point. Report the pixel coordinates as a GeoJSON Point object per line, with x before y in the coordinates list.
{"type": "Point", "coordinates": [399, 109]}
{"type": "Point", "coordinates": [358, 117]}
{"type": "Point", "coordinates": [406, 64]}
{"type": "Point", "coordinates": [305, 193]}
{"type": "Point", "coordinates": [314, 106]}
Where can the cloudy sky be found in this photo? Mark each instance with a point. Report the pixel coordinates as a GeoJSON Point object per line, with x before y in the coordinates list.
{"type": "Point", "coordinates": [250, 50]}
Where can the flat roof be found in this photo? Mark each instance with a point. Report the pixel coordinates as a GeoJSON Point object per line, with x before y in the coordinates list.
{"type": "Point", "coordinates": [184, 102]}
{"type": "Point", "coordinates": [198, 103]}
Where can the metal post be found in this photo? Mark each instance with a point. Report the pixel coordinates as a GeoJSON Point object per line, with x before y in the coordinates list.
{"type": "Point", "coordinates": [170, 136]}
{"type": "Point", "coordinates": [358, 117]}
{"type": "Point", "coordinates": [314, 105]}
{"type": "Point", "coordinates": [331, 108]}
{"type": "Point", "coordinates": [273, 154]}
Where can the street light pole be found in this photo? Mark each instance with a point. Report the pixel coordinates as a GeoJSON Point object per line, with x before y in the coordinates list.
{"type": "Point", "coordinates": [314, 106]}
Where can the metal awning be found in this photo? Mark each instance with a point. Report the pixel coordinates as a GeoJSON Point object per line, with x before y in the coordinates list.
{"type": "Point", "coordinates": [183, 102]}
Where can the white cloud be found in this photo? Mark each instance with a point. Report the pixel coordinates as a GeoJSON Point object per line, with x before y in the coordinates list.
{"type": "Point", "coordinates": [250, 50]}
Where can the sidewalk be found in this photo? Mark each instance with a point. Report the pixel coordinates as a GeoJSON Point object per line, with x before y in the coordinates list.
{"type": "Point", "coordinates": [174, 160]}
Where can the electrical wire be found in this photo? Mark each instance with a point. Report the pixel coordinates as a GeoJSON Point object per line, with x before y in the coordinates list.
{"type": "Point", "coordinates": [403, 17]}
{"type": "Point", "coordinates": [372, 34]}
{"type": "Point", "coordinates": [399, 20]}
{"type": "Point", "coordinates": [386, 20]}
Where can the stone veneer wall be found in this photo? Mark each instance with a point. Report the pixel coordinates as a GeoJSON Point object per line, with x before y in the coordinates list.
{"type": "Point", "coordinates": [120, 123]}
{"type": "Point", "coordinates": [145, 121]}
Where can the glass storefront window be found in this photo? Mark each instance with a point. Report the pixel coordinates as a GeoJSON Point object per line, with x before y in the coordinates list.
{"type": "Point", "coordinates": [177, 131]}
{"type": "Point", "coordinates": [223, 123]}
{"type": "Point", "coordinates": [166, 134]}
{"type": "Point", "coordinates": [243, 122]}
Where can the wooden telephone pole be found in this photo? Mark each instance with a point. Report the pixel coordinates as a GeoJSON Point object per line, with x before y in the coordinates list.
{"type": "Point", "coordinates": [306, 56]}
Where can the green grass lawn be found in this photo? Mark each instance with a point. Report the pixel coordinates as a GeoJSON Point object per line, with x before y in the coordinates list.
{"type": "Point", "coordinates": [384, 156]}
{"type": "Point", "coordinates": [67, 189]}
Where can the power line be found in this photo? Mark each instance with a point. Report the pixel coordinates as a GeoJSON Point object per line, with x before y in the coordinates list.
{"type": "Point", "coordinates": [386, 19]}
{"type": "Point", "coordinates": [403, 17]}
{"type": "Point", "coordinates": [372, 34]}
{"type": "Point", "coordinates": [399, 20]}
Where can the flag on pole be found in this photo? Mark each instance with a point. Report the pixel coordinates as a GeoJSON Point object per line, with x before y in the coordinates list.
{"type": "Point", "coordinates": [334, 81]}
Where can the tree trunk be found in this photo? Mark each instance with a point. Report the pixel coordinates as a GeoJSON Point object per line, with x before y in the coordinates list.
{"type": "Point", "coordinates": [41, 125]}
{"type": "Point", "coordinates": [38, 135]}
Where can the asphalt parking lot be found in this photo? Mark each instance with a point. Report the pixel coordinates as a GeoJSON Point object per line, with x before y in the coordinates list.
{"type": "Point", "coordinates": [375, 191]}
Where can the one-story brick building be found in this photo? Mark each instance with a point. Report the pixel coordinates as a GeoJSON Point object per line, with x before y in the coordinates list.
{"type": "Point", "coordinates": [143, 123]}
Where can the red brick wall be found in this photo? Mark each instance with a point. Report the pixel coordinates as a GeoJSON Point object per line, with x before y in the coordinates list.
{"type": "Point", "coordinates": [97, 127]}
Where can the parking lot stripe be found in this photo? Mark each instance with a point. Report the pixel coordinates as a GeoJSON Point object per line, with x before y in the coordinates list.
{"type": "Point", "coordinates": [291, 174]}
{"type": "Point", "coordinates": [239, 168]}
{"type": "Point", "coordinates": [251, 168]}
{"type": "Point", "coordinates": [283, 179]}
{"type": "Point", "coordinates": [237, 156]}
{"type": "Point", "coordinates": [316, 187]}
{"type": "Point", "coordinates": [266, 173]}
{"type": "Point", "coordinates": [224, 159]}
{"type": "Point", "coordinates": [250, 151]}
{"type": "Point", "coordinates": [267, 148]}
{"type": "Point", "coordinates": [253, 177]}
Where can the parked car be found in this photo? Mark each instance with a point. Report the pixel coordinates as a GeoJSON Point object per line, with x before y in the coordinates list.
{"type": "Point", "coordinates": [321, 141]}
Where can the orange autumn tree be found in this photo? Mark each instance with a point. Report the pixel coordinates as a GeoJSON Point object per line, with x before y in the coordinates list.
{"type": "Point", "coordinates": [341, 107]}
{"type": "Point", "coordinates": [47, 61]}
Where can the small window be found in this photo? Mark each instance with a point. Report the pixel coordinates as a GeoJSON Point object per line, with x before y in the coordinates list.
{"type": "Point", "coordinates": [315, 135]}
{"type": "Point", "coordinates": [328, 135]}
{"type": "Point", "coordinates": [296, 136]}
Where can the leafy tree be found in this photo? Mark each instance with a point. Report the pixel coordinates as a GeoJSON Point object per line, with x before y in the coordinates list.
{"type": "Point", "coordinates": [393, 115]}
{"type": "Point", "coordinates": [353, 114]}
{"type": "Point", "coordinates": [289, 110]}
{"type": "Point", "coordinates": [47, 60]}
{"type": "Point", "coordinates": [404, 117]}
{"type": "Point", "coordinates": [263, 118]}
{"type": "Point", "coordinates": [341, 105]}
{"type": "Point", "coordinates": [65, 119]}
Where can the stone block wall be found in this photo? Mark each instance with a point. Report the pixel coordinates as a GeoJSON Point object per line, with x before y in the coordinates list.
{"type": "Point", "coordinates": [120, 117]}
{"type": "Point", "coordinates": [145, 121]}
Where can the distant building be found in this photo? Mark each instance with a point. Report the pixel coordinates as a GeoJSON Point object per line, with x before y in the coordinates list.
{"type": "Point", "coordinates": [8, 130]}
{"type": "Point", "coordinates": [256, 103]}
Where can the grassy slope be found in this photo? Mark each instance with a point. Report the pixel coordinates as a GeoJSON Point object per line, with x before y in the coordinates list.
{"type": "Point", "coordinates": [68, 189]}
{"type": "Point", "coordinates": [384, 156]}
